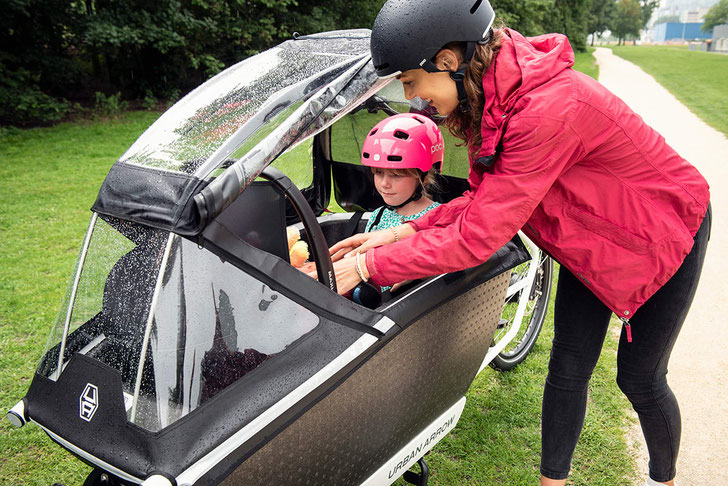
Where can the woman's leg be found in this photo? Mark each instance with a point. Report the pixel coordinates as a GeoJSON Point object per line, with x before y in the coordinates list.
{"type": "Point", "coordinates": [642, 364]}
{"type": "Point", "coordinates": [580, 324]}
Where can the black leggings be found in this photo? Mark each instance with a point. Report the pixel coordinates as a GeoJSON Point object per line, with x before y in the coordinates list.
{"type": "Point", "coordinates": [581, 323]}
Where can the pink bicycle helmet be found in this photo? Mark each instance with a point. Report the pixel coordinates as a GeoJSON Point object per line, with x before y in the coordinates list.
{"type": "Point", "coordinates": [404, 141]}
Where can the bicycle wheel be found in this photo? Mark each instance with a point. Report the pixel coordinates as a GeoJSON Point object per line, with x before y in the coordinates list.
{"type": "Point", "coordinates": [533, 318]}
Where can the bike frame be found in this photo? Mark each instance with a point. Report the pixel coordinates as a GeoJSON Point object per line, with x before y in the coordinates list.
{"type": "Point", "coordinates": [525, 284]}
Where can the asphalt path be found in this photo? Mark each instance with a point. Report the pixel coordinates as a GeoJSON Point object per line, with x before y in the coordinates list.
{"type": "Point", "coordinates": [698, 370]}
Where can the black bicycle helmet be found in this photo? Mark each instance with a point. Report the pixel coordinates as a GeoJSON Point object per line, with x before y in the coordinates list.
{"type": "Point", "coordinates": [407, 34]}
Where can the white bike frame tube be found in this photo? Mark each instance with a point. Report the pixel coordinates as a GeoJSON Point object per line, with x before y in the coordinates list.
{"type": "Point", "coordinates": [72, 300]}
{"type": "Point", "coordinates": [526, 284]}
{"type": "Point", "coordinates": [150, 320]}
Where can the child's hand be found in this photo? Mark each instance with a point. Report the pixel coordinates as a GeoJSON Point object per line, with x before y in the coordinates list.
{"type": "Point", "coordinates": [348, 245]}
{"type": "Point", "coordinates": [361, 242]}
{"type": "Point", "coordinates": [309, 268]}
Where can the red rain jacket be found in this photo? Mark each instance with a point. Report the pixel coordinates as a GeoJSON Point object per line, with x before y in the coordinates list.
{"type": "Point", "coordinates": [576, 169]}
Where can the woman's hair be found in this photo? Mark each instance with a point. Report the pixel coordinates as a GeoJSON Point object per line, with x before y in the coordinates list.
{"type": "Point", "coordinates": [429, 182]}
{"type": "Point", "coordinates": [466, 125]}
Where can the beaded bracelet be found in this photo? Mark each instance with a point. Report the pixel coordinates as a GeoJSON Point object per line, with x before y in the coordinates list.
{"type": "Point", "coordinates": [357, 266]}
{"type": "Point", "coordinates": [396, 235]}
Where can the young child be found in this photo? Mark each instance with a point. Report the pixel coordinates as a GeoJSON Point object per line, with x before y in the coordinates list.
{"type": "Point", "coordinates": [405, 153]}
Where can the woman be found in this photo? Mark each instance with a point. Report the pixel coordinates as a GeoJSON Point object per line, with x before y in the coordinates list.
{"type": "Point", "coordinates": [554, 153]}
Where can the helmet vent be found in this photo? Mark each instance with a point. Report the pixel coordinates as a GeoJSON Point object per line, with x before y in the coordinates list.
{"type": "Point", "coordinates": [394, 158]}
{"type": "Point", "coordinates": [418, 119]}
{"type": "Point", "coordinates": [365, 155]}
{"type": "Point", "coordinates": [475, 6]}
{"type": "Point", "coordinates": [401, 135]}
{"type": "Point", "coordinates": [373, 132]}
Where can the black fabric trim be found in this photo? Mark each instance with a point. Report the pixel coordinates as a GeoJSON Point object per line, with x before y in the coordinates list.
{"type": "Point", "coordinates": [292, 283]}
{"type": "Point", "coordinates": [354, 187]}
{"type": "Point", "coordinates": [150, 197]}
{"type": "Point", "coordinates": [484, 164]}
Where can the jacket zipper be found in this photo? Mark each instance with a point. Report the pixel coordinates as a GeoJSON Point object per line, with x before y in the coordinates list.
{"type": "Point", "coordinates": [627, 328]}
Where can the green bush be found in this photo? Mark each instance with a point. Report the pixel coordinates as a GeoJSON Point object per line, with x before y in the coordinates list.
{"type": "Point", "coordinates": [22, 103]}
{"type": "Point", "coordinates": [111, 105]}
{"type": "Point", "coordinates": [150, 101]}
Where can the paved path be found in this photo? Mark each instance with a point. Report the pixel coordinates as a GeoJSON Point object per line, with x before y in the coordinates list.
{"type": "Point", "coordinates": [698, 371]}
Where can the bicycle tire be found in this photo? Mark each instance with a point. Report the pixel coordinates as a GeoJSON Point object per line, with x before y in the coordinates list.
{"type": "Point", "coordinates": [540, 292]}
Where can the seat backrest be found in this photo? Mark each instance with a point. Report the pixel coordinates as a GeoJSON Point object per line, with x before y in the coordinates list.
{"type": "Point", "coordinates": [354, 187]}
{"type": "Point", "coordinates": [258, 217]}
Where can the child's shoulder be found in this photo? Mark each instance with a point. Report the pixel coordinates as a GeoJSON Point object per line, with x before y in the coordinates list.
{"type": "Point", "coordinates": [428, 208]}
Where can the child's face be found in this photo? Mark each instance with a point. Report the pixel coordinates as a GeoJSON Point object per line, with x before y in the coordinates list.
{"type": "Point", "coordinates": [394, 188]}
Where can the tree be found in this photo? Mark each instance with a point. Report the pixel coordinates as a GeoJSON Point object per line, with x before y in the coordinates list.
{"type": "Point", "coordinates": [599, 17]}
{"type": "Point", "coordinates": [35, 60]}
{"type": "Point", "coordinates": [535, 17]}
{"type": "Point", "coordinates": [526, 16]}
{"type": "Point", "coordinates": [717, 15]}
{"type": "Point", "coordinates": [169, 45]}
{"type": "Point", "coordinates": [53, 52]}
{"type": "Point", "coordinates": [627, 19]}
{"type": "Point", "coordinates": [570, 17]}
{"type": "Point", "coordinates": [647, 7]}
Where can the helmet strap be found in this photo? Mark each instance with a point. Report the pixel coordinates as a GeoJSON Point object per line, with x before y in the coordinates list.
{"type": "Point", "coordinates": [414, 197]}
{"type": "Point", "coordinates": [459, 75]}
{"type": "Point", "coordinates": [459, 78]}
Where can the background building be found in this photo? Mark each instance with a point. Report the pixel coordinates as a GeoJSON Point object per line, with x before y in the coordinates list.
{"type": "Point", "coordinates": [680, 31]}
{"type": "Point", "coordinates": [678, 20]}
{"type": "Point", "coordinates": [719, 42]}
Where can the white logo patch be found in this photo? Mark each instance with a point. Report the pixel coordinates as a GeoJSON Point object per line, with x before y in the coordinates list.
{"type": "Point", "coordinates": [88, 402]}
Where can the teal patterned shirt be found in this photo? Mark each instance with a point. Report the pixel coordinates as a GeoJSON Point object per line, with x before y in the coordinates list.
{"type": "Point", "coordinates": [391, 219]}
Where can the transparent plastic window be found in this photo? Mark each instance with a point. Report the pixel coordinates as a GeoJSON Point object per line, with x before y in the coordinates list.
{"type": "Point", "coordinates": [212, 323]}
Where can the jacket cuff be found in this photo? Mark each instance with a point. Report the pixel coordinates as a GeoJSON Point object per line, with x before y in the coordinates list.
{"type": "Point", "coordinates": [414, 224]}
{"type": "Point", "coordinates": [372, 267]}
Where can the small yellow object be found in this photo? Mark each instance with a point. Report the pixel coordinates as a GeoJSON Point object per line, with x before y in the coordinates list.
{"type": "Point", "coordinates": [299, 253]}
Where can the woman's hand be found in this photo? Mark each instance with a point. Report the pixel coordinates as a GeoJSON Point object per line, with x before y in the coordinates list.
{"type": "Point", "coordinates": [345, 270]}
{"type": "Point", "coordinates": [346, 275]}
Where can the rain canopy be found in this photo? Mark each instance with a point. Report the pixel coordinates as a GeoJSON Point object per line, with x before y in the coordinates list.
{"type": "Point", "coordinates": [194, 161]}
{"type": "Point", "coordinates": [176, 321]}
{"type": "Point", "coordinates": [179, 324]}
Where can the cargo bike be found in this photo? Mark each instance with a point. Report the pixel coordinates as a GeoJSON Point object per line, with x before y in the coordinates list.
{"type": "Point", "coordinates": [188, 350]}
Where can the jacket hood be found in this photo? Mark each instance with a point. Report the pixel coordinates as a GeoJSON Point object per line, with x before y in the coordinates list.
{"type": "Point", "coordinates": [522, 64]}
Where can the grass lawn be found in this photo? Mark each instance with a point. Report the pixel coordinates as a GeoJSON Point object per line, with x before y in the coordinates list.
{"type": "Point", "coordinates": [585, 62]}
{"type": "Point", "coordinates": [696, 78]}
{"type": "Point", "coordinates": [50, 177]}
